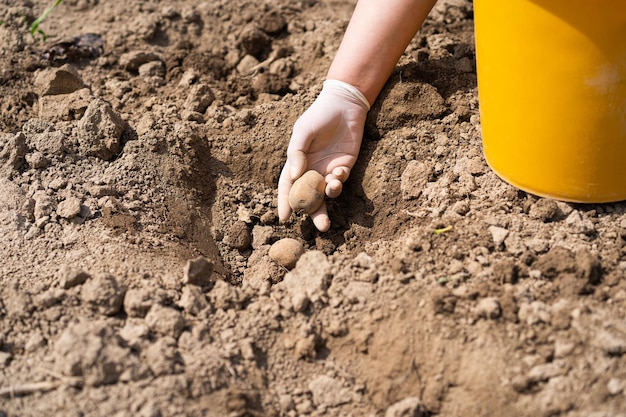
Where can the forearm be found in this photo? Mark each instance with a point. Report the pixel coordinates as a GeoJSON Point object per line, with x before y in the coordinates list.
{"type": "Point", "coordinates": [378, 33]}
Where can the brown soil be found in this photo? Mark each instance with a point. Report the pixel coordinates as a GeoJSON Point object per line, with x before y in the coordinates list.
{"type": "Point", "coordinates": [138, 170]}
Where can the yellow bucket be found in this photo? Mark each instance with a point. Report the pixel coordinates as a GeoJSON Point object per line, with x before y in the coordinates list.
{"type": "Point", "coordinates": [552, 94]}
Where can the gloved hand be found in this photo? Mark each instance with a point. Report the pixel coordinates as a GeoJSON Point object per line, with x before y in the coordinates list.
{"type": "Point", "coordinates": [326, 138]}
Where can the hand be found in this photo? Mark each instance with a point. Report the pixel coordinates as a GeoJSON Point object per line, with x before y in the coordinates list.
{"type": "Point", "coordinates": [326, 138]}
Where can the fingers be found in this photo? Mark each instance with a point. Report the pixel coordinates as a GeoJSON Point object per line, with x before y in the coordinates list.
{"type": "Point", "coordinates": [297, 163]}
{"type": "Point", "coordinates": [334, 188]}
{"type": "Point", "coordinates": [284, 186]}
{"type": "Point", "coordinates": [293, 169]}
{"type": "Point", "coordinates": [320, 219]}
{"type": "Point", "coordinates": [335, 180]}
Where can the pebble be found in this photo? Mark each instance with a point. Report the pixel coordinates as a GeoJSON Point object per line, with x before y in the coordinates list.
{"type": "Point", "coordinates": [246, 64]}
{"type": "Point", "coordinates": [498, 234]}
{"type": "Point", "coordinates": [286, 252]}
{"type": "Point", "coordinates": [134, 333]}
{"type": "Point", "coordinates": [69, 208]}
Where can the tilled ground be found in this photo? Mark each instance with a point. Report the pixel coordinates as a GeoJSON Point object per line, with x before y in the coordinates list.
{"type": "Point", "coordinates": [140, 146]}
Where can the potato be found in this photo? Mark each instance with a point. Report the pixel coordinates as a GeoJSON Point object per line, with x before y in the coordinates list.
{"type": "Point", "coordinates": [286, 252]}
{"type": "Point", "coordinates": [307, 192]}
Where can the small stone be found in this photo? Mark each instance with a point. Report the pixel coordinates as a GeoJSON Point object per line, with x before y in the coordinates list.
{"type": "Point", "coordinates": [70, 277]}
{"type": "Point", "coordinates": [239, 236]}
{"type": "Point", "coordinates": [246, 347]}
{"type": "Point", "coordinates": [188, 78]}
{"type": "Point", "coordinates": [563, 349]}
{"type": "Point", "coordinates": [165, 321]}
{"type": "Point", "coordinates": [69, 208]}
{"type": "Point", "coordinates": [14, 151]}
{"type": "Point", "coordinates": [104, 294]}
{"type": "Point", "coordinates": [409, 407]}
{"type": "Point", "coordinates": [286, 252]}
{"type": "Point", "coordinates": [198, 271]}
{"type": "Point", "coordinates": [306, 347]}
{"type": "Point", "coordinates": [498, 234]}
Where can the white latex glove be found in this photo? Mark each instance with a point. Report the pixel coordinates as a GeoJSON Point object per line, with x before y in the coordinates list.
{"type": "Point", "coordinates": [326, 138]}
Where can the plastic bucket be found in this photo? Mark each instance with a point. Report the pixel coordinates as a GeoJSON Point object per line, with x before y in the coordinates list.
{"type": "Point", "coordinates": [552, 94]}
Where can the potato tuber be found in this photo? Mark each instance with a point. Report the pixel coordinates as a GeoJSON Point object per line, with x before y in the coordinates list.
{"type": "Point", "coordinates": [307, 192]}
{"type": "Point", "coordinates": [286, 252]}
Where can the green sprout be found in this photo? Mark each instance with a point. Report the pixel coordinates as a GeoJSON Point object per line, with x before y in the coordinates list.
{"type": "Point", "coordinates": [34, 27]}
{"type": "Point", "coordinates": [442, 230]}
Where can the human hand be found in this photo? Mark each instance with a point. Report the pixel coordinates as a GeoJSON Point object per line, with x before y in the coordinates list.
{"type": "Point", "coordinates": [326, 138]}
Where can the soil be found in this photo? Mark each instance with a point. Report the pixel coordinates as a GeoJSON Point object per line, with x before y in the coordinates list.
{"type": "Point", "coordinates": [140, 147]}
